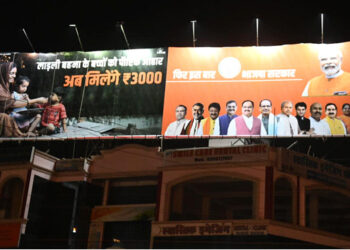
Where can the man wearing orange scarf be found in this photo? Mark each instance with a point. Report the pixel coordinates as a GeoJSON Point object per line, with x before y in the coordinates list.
{"type": "Point", "coordinates": [208, 124]}
{"type": "Point", "coordinates": [333, 81]}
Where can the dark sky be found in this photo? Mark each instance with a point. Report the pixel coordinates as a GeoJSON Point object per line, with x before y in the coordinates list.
{"type": "Point", "coordinates": [150, 24]}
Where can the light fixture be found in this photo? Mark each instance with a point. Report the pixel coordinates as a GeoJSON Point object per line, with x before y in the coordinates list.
{"type": "Point", "coordinates": [30, 43]}
{"type": "Point", "coordinates": [194, 32]}
{"type": "Point", "coordinates": [120, 24]}
{"type": "Point", "coordinates": [76, 31]}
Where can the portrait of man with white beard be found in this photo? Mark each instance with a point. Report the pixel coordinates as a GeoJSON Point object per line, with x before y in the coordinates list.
{"type": "Point", "coordinates": [333, 81]}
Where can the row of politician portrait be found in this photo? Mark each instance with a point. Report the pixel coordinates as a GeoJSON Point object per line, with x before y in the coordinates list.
{"type": "Point", "coordinates": [266, 124]}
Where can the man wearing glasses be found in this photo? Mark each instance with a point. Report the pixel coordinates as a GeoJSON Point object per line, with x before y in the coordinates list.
{"type": "Point", "coordinates": [304, 123]}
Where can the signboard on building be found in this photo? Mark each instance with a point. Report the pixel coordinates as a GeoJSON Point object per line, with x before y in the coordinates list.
{"type": "Point", "coordinates": [314, 168]}
{"type": "Point", "coordinates": [216, 155]}
{"type": "Point", "coordinates": [212, 228]}
{"type": "Point", "coordinates": [246, 228]}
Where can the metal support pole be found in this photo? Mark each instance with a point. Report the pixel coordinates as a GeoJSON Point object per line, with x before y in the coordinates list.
{"type": "Point", "coordinates": [257, 31]}
{"type": "Point", "coordinates": [30, 43]}
{"type": "Point", "coordinates": [124, 35]}
{"type": "Point", "coordinates": [322, 34]}
{"type": "Point", "coordinates": [194, 32]}
{"type": "Point", "coordinates": [76, 31]}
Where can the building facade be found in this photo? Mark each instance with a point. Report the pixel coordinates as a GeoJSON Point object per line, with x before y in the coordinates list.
{"type": "Point", "coordinates": [136, 196]}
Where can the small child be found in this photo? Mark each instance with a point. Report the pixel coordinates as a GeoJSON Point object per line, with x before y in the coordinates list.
{"type": "Point", "coordinates": [54, 114]}
{"type": "Point", "coordinates": [25, 122]}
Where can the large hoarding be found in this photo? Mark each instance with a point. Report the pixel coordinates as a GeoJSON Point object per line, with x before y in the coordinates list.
{"type": "Point", "coordinates": [178, 91]}
{"type": "Point", "coordinates": [284, 75]}
{"type": "Point", "coordinates": [103, 93]}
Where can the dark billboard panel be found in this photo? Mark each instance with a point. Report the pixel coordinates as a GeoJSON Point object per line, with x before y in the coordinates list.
{"type": "Point", "coordinates": [83, 94]}
{"type": "Point", "coordinates": [283, 91]}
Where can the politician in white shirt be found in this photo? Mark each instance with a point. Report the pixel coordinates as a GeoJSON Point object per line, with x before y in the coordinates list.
{"type": "Point", "coordinates": [176, 127]}
{"type": "Point", "coordinates": [318, 126]}
{"type": "Point", "coordinates": [287, 125]}
{"type": "Point", "coordinates": [267, 118]}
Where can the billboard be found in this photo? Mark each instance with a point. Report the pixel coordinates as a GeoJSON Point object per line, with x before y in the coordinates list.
{"type": "Point", "coordinates": [83, 94]}
{"type": "Point", "coordinates": [252, 91]}
{"type": "Point", "coordinates": [231, 91]}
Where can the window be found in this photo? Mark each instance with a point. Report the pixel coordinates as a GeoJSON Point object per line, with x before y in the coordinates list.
{"type": "Point", "coordinates": [212, 198]}
{"type": "Point", "coordinates": [134, 190]}
{"type": "Point", "coordinates": [283, 200]}
{"type": "Point", "coordinates": [328, 210]}
{"type": "Point", "coordinates": [132, 195]}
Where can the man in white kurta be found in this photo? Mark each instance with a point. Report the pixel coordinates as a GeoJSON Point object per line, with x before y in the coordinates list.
{"type": "Point", "coordinates": [176, 127]}
{"type": "Point", "coordinates": [287, 125]}
{"type": "Point", "coordinates": [318, 126]}
{"type": "Point", "coordinates": [267, 118]}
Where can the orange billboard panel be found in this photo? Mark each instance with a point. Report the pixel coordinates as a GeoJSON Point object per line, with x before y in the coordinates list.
{"type": "Point", "coordinates": [306, 73]}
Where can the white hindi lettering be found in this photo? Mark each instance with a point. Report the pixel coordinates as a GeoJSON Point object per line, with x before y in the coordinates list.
{"type": "Point", "coordinates": [99, 63]}
{"type": "Point", "coordinates": [71, 64]}
{"type": "Point", "coordinates": [153, 61]}
{"type": "Point", "coordinates": [253, 74]}
{"type": "Point", "coordinates": [86, 63]}
{"type": "Point", "coordinates": [178, 74]}
{"type": "Point", "coordinates": [49, 65]}
{"type": "Point", "coordinates": [209, 74]}
{"type": "Point", "coordinates": [124, 61]}
{"type": "Point", "coordinates": [113, 62]}
{"type": "Point", "coordinates": [272, 73]}
{"type": "Point", "coordinates": [281, 73]}
{"type": "Point", "coordinates": [195, 75]}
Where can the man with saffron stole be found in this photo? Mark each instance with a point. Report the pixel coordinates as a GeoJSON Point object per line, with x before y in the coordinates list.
{"type": "Point", "coordinates": [208, 124]}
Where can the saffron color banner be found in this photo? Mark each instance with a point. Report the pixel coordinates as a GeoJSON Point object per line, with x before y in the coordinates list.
{"type": "Point", "coordinates": [285, 75]}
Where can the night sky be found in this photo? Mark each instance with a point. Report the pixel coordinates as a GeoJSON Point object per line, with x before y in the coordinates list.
{"type": "Point", "coordinates": [151, 24]}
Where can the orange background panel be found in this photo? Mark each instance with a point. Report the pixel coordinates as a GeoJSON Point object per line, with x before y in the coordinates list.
{"type": "Point", "coordinates": [303, 58]}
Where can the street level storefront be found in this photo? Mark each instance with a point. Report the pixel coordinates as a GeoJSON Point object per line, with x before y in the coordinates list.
{"type": "Point", "coordinates": [267, 196]}
{"type": "Point", "coordinates": [38, 200]}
